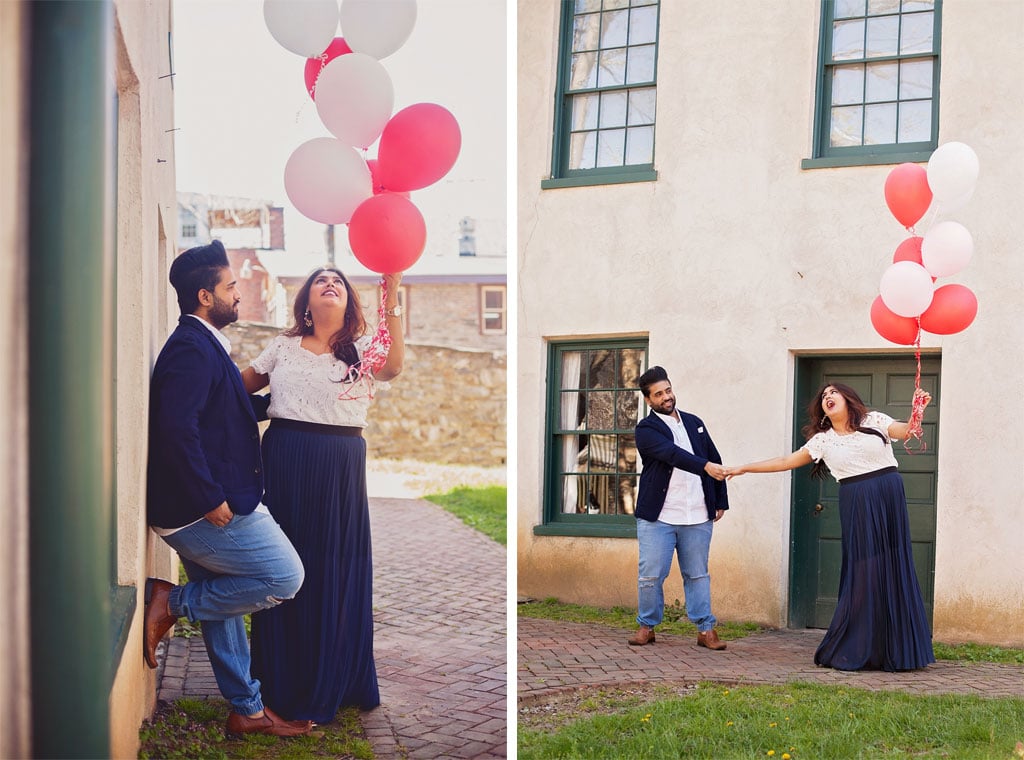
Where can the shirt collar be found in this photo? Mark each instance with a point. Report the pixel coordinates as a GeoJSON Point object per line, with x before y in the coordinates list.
{"type": "Point", "coordinates": [668, 419]}
{"type": "Point", "coordinates": [221, 337]}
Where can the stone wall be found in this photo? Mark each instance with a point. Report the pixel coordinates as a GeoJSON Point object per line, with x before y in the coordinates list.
{"type": "Point", "coordinates": [447, 406]}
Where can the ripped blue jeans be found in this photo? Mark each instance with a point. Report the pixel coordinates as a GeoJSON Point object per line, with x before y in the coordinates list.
{"type": "Point", "coordinates": [247, 565]}
{"type": "Point", "coordinates": [659, 542]}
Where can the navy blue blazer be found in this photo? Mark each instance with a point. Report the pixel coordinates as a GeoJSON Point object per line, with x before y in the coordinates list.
{"type": "Point", "coordinates": [204, 443]}
{"type": "Point", "coordinates": [660, 456]}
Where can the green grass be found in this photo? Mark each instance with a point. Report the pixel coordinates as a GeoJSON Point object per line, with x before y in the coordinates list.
{"type": "Point", "coordinates": [194, 728]}
{"type": "Point", "coordinates": [978, 653]}
{"type": "Point", "coordinates": [484, 509]}
{"type": "Point", "coordinates": [794, 720]}
{"type": "Point", "coordinates": [675, 620]}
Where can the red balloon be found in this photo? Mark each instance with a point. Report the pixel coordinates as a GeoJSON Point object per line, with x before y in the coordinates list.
{"type": "Point", "coordinates": [953, 309]}
{"type": "Point", "coordinates": [378, 188]}
{"type": "Point", "coordinates": [315, 65]}
{"type": "Point", "coordinates": [893, 327]}
{"type": "Point", "coordinates": [387, 233]}
{"type": "Point", "coordinates": [418, 146]}
{"type": "Point", "coordinates": [910, 250]}
{"type": "Point", "coordinates": [907, 193]}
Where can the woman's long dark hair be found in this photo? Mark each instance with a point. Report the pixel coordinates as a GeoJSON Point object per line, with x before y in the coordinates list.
{"type": "Point", "coordinates": [819, 422]}
{"type": "Point", "coordinates": [342, 343]}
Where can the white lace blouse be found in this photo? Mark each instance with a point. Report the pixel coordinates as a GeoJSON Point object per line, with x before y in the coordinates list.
{"type": "Point", "coordinates": [856, 453]}
{"type": "Point", "coordinates": [305, 386]}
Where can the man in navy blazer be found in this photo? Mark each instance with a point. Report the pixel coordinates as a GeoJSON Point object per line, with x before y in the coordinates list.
{"type": "Point", "coordinates": [682, 494]}
{"type": "Point", "coordinates": [205, 482]}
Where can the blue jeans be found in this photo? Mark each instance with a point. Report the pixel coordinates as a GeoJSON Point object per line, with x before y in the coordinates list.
{"type": "Point", "coordinates": [247, 565]}
{"type": "Point", "coordinates": [658, 541]}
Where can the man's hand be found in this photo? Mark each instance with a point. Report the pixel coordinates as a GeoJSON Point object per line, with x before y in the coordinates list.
{"type": "Point", "coordinates": [715, 470]}
{"type": "Point", "coordinates": [719, 514]}
{"type": "Point", "coordinates": [220, 516]}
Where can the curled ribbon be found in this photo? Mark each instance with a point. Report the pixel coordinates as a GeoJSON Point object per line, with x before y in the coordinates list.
{"type": "Point", "coordinates": [919, 401]}
{"type": "Point", "coordinates": [375, 355]}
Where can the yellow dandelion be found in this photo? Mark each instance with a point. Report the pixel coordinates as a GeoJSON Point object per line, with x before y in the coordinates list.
{"type": "Point", "coordinates": [729, 723]}
{"type": "Point", "coordinates": [770, 753]}
{"type": "Point", "coordinates": [725, 693]}
{"type": "Point", "coordinates": [772, 725]}
{"type": "Point", "coordinates": [787, 717]}
{"type": "Point", "coordinates": [851, 715]}
{"type": "Point", "coordinates": [646, 718]}
{"type": "Point", "coordinates": [786, 756]}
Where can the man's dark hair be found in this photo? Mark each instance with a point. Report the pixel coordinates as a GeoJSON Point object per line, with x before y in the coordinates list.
{"type": "Point", "coordinates": [197, 269]}
{"type": "Point", "coordinates": [654, 375]}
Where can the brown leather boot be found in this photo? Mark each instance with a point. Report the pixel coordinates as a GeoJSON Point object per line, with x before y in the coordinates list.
{"type": "Point", "coordinates": [268, 723]}
{"type": "Point", "coordinates": [157, 618]}
{"type": "Point", "coordinates": [643, 636]}
{"type": "Point", "coordinates": [710, 640]}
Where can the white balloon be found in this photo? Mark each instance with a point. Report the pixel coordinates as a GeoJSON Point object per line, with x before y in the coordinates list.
{"type": "Point", "coordinates": [355, 97]}
{"type": "Point", "coordinates": [906, 288]}
{"type": "Point", "coordinates": [326, 180]}
{"type": "Point", "coordinates": [377, 27]}
{"type": "Point", "coordinates": [305, 27]}
{"type": "Point", "coordinates": [946, 249]}
{"type": "Point", "coordinates": [952, 171]}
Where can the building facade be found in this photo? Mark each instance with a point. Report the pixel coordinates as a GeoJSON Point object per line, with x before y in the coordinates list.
{"type": "Point", "coordinates": [701, 187]}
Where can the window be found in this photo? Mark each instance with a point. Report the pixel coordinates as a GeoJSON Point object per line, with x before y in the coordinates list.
{"type": "Point", "coordinates": [594, 403]}
{"type": "Point", "coordinates": [492, 310]}
{"type": "Point", "coordinates": [188, 230]}
{"type": "Point", "coordinates": [878, 82]}
{"type": "Point", "coordinates": [606, 93]}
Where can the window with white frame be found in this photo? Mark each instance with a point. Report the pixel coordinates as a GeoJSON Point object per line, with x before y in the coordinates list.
{"type": "Point", "coordinates": [492, 309]}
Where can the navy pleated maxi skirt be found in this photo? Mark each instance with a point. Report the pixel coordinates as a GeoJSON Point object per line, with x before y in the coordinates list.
{"type": "Point", "coordinates": [880, 621]}
{"type": "Point", "coordinates": [314, 654]}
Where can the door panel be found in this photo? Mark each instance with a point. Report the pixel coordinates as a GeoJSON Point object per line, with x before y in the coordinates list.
{"type": "Point", "coordinates": [885, 384]}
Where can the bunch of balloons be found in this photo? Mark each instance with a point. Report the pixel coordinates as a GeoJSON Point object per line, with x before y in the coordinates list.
{"type": "Point", "coordinates": [909, 300]}
{"type": "Point", "coordinates": [330, 179]}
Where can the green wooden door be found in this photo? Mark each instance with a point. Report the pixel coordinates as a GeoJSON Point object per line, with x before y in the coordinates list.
{"type": "Point", "coordinates": [885, 384]}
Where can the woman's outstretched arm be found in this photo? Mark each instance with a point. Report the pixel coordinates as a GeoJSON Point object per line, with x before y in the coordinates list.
{"type": "Point", "coordinates": [798, 458]}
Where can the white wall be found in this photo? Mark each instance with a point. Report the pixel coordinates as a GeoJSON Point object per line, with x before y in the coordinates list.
{"type": "Point", "coordinates": [736, 259]}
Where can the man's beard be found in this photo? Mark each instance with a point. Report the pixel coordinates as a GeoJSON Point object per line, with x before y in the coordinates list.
{"type": "Point", "coordinates": [222, 313]}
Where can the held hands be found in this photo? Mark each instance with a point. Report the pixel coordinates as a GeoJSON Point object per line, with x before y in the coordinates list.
{"type": "Point", "coordinates": [220, 516]}
{"type": "Point", "coordinates": [715, 470]}
{"type": "Point", "coordinates": [732, 472]}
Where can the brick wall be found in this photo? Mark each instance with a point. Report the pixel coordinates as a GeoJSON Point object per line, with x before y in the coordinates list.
{"type": "Point", "coordinates": [447, 406]}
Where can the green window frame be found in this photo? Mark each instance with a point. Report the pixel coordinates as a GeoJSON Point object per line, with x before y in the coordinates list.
{"type": "Point", "coordinates": [591, 464]}
{"type": "Point", "coordinates": [605, 93]}
{"type": "Point", "coordinates": [877, 95]}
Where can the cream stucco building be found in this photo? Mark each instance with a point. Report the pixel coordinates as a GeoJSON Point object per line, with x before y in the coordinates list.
{"type": "Point", "coordinates": [701, 186]}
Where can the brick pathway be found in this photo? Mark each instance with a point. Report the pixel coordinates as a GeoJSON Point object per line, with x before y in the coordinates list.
{"type": "Point", "coordinates": [439, 641]}
{"type": "Point", "coordinates": [556, 656]}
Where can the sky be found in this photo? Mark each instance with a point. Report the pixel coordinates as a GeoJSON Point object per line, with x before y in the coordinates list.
{"type": "Point", "coordinates": [241, 109]}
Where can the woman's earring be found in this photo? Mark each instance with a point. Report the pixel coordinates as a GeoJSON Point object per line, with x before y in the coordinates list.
{"type": "Point", "coordinates": [307, 319]}
{"type": "Point", "coordinates": [824, 423]}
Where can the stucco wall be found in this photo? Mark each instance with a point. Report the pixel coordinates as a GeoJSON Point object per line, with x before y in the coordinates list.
{"type": "Point", "coordinates": [736, 260]}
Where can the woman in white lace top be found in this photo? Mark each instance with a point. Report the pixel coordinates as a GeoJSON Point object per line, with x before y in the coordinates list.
{"type": "Point", "coordinates": [880, 621]}
{"type": "Point", "coordinates": [316, 654]}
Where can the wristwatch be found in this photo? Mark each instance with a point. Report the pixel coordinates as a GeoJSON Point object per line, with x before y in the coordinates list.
{"type": "Point", "coordinates": [394, 311]}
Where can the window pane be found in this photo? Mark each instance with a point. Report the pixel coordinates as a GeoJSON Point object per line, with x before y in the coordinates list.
{"type": "Point", "coordinates": [583, 75]}
{"type": "Point", "coordinates": [916, 79]}
{"type": "Point", "coordinates": [880, 7]}
{"type": "Point", "coordinates": [640, 145]}
{"type": "Point", "coordinates": [636, 3]}
{"type": "Point", "coordinates": [846, 126]}
{"type": "Point", "coordinates": [611, 147]}
{"type": "Point", "coordinates": [572, 362]}
{"type": "Point", "coordinates": [602, 369]}
{"type": "Point", "coordinates": [847, 40]}
{"type": "Point", "coordinates": [641, 106]}
{"type": "Point", "coordinates": [585, 32]}
{"type": "Point", "coordinates": [612, 70]}
{"type": "Point", "coordinates": [640, 66]}
{"type": "Point", "coordinates": [584, 112]}
{"type": "Point", "coordinates": [847, 85]}
{"type": "Point", "coordinates": [613, 109]}
{"type": "Point", "coordinates": [880, 124]}
{"type": "Point", "coordinates": [883, 34]}
{"type": "Point", "coordinates": [494, 299]}
{"type": "Point", "coordinates": [916, 36]}
{"type": "Point", "coordinates": [916, 121]}
{"type": "Point", "coordinates": [609, 4]}
{"type": "Point", "coordinates": [600, 410]}
{"type": "Point", "coordinates": [848, 8]}
{"type": "Point", "coordinates": [643, 25]}
{"type": "Point", "coordinates": [614, 29]}
{"type": "Point", "coordinates": [918, 5]}
{"type": "Point", "coordinates": [583, 150]}
{"type": "Point", "coordinates": [627, 409]}
{"type": "Point", "coordinates": [584, 6]}
{"type": "Point", "coordinates": [493, 322]}
{"type": "Point", "coordinates": [881, 84]}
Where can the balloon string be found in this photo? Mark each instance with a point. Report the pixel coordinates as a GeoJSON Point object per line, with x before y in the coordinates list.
{"type": "Point", "coordinates": [918, 404]}
{"type": "Point", "coordinates": [376, 354]}
{"type": "Point", "coordinates": [316, 79]}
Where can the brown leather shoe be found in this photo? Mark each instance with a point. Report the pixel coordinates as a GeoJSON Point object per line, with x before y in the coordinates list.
{"type": "Point", "coordinates": [643, 636]}
{"type": "Point", "coordinates": [268, 723]}
{"type": "Point", "coordinates": [710, 640]}
{"type": "Point", "coordinates": [157, 619]}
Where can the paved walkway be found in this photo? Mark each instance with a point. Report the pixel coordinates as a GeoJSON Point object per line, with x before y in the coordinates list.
{"type": "Point", "coordinates": [439, 640]}
{"type": "Point", "coordinates": [555, 657]}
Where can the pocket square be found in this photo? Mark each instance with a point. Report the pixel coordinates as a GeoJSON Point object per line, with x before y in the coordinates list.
{"type": "Point", "coordinates": [700, 430]}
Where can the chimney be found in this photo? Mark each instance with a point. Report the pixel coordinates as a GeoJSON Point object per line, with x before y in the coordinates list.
{"type": "Point", "coordinates": [276, 227]}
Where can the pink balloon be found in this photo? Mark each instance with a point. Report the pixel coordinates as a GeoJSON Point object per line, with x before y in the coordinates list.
{"type": "Point", "coordinates": [953, 309]}
{"type": "Point", "coordinates": [326, 180]}
{"type": "Point", "coordinates": [418, 146]}
{"type": "Point", "coordinates": [906, 288]}
{"type": "Point", "coordinates": [378, 188]}
{"type": "Point", "coordinates": [907, 193]}
{"type": "Point", "coordinates": [893, 327]}
{"type": "Point", "coordinates": [387, 233]}
{"type": "Point", "coordinates": [315, 65]}
{"type": "Point", "coordinates": [909, 250]}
